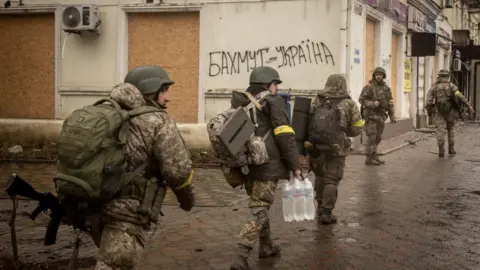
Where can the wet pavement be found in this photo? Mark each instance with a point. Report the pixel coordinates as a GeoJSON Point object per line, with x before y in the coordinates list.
{"type": "Point", "coordinates": [416, 212]}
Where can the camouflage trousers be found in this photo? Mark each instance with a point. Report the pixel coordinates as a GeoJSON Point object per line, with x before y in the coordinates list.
{"type": "Point", "coordinates": [444, 127]}
{"type": "Point", "coordinates": [374, 131]}
{"type": "Point", "coordinates": [328, 171]}
{"type": "Point", "coordinates": [120, 246]}
{"type": "Point", "coordinates": [262, 196]}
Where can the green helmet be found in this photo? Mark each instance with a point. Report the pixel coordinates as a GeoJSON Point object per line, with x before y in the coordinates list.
{"type": "Point", "coordinates": [443, 73]}
{"type": "Point", "coordinates": [379, 70]}
{"type": "Point", "coordinates": [148, 79]}
{"type": "Point", "coordinates": [264, 75]}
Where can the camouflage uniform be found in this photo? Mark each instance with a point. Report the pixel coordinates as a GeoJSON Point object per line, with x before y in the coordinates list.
{"type": "Point", "coordinates": [377, 105]}
{"type": "Point", "coordinates": [329, 166]}
{"type": "Point", "coordinates": [445, 122]}
{"type": "Point", "coordinates": [262, 179]}
{"type": "Point", "coordinates": [153, 137]}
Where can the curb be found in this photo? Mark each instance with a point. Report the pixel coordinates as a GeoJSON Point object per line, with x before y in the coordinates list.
{"type": "Point", "coordinates": [393, 149]}
{"type": "Point", "coordinates": [404, 145]}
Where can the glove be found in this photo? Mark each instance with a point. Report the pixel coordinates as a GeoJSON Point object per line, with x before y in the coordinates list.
{"type": "Point", "coordinates": [392, 120]}
{"type": "Point", "coordinates": [185, 197]}
{"type": "Point", "coordinates": [297, 173]}
{"type": "Point", "coordinates": [375, 104]}
{"type": "Point", "coordinates": [471, 110]}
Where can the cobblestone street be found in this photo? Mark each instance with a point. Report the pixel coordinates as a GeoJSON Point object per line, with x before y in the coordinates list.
{"type": "Point", "coordinates": [416, 212]}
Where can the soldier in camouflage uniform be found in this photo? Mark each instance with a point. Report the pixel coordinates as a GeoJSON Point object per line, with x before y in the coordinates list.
{"type": "Point", "coordinates": [377, 105]}
{"type": "Point", "coordinates": [262, 179]}
{"type": "Point", "coordinates": [441, 99]}
{"type": "Point", "coordinates": [125, 221]}
{"type": "Point", "coordinates": [329, 166]}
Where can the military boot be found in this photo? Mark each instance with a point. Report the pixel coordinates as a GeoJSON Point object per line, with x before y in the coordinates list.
{"type": "Point", "coordinates": [377, 159]}
{"type": "Point", "coordinates": [451, 149]}
{"type": "Point", "coordinates": [240, 259]}
{"type": "Point", "coordinates": [327, 217]}
{"type": "Point", "coordinates": [268, 248]}
{"type": "Point", "coordinates": [319, 210]}
{"type": "Point", "coordinates": [371, 160]}
{"type": "Point", "coordinates": [441, 151]}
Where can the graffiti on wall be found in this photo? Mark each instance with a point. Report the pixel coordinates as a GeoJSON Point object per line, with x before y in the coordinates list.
{"type": "Point", "coordinates": [356, 58]}
{"type": "Point", "coordinates": [307, 52]}
{"type": "Point", "coordinates": [385, 62]}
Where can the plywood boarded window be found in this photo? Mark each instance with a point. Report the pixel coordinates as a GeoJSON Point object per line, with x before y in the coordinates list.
{"type": "Point", "coordinates": [370, 50]}
{"type": "Point", "coordinates": [393, 64]}
{"type": "Point", "coordinates": [170, 40]}
{"type": "Point", "coordinates": [27, 66]}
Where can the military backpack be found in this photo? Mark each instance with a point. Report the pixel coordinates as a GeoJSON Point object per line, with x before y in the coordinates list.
{"type": "Point", "coordinates": [91, 152]}
{"type": "Point", "coordinates": [226, 127]}
{"type": "Point", "coordinates": [442, 100]}
{"type": "Point", "coordinates": [324, 125]}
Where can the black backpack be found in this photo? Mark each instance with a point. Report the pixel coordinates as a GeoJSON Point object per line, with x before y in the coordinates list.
{"type": "Point", "coordinates": [325, 123]}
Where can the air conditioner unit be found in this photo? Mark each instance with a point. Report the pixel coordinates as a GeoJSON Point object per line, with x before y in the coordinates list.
{"type": "Point", "coordinates": [80, 18]}
{"type": "Point", "coordinates": [457, 64]}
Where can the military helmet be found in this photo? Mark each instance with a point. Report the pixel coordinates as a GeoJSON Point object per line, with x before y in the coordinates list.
{"type": "Point", "coordinates": [264, 75]}
{"type": "Point", "coordinates": [443, 73]}
{"type": "Point", "coordinates": [379, 70]}
{"type": "Point", "coordinates": [148, 79]}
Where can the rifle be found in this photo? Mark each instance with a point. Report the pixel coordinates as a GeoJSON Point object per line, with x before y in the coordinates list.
{"type": "Point", "coordinates": [457, 108]}
{"type": "Point", "coordinates": [17, 186]}
{"type": "Point", "coordinates": [361, 133]}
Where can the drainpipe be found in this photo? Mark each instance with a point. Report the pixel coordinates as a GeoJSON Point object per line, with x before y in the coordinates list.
{"type": "Point", "coordinates": [343, 38]}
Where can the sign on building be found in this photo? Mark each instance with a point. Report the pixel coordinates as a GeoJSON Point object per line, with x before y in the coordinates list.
{"type": "Point", "coordinates": [407, 78]}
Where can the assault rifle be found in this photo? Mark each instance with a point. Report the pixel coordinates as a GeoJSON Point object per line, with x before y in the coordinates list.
{"type": "Point", "coordinates": [361, 115]}
{"type": "Point", "coordinates": [457, 108]}
{"type": "Point", "coordinates": [16, 186]}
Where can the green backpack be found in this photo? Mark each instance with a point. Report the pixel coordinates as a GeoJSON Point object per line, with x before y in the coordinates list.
{"type": "Point", "coordinates": [442, 101]}
{"type": "Point", "coordinates": [91, 159]}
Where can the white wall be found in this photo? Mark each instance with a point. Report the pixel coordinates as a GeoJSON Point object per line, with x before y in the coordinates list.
{"type": "Point", "coordinates": [356, 64]}
{"type": "Point", "coordinates": [383, 50]}
{"type": "Point", "coordinates": [301, 39]}
{"type": "Point", "coordinates": [287, 34]}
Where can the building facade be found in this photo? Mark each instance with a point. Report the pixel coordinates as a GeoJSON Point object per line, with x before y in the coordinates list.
{"type": "Point", "coordinates": [209, 48]}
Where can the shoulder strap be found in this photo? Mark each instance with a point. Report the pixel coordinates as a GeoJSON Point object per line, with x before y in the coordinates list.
{"type": "Point", "coordinates": [255, 105]}
{"type": "Point", "coordinates": [254, 101]}
{"type": "Point", "coordinates": [128, 178]}
{"type": "Point", "coordinates": [143, 110]}
{"type": "Point", "coordinates": [111, 101]}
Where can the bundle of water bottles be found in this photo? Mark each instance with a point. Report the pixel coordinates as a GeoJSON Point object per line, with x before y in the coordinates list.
{"type": "Point", "coordinates": [298, 200]}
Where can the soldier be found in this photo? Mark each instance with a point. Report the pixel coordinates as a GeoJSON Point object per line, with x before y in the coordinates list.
{"type": "Point", "coordinates": [262, 179]}
{"type": "Point", "coordinates": [442, 98]}
{"type": "Point", "coordinates": [153, 137]}
{"type": "Point", "coordinates": [328, 161]}
{"type": "Point", "coordinates": [377, 105]}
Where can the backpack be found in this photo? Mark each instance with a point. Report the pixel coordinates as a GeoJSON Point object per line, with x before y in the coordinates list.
{"type": "Point", "coordinates": [442, 100]}
{"type": "Point", "coordinates": [235, 165]}
{"type": "Point", "coordinates": [91, 159]}
{"type": "Point", "coordinates": [324, 125]}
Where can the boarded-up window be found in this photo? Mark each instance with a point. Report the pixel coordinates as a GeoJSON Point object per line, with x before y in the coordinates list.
{"type": "Point", "coordinates": [170, 40]}
{"type": "Point", "coordinates": [370, 50]}
{"type": "Point", "coordinates": [393, 64]}
{"type": "Point", "coordinates": [27, 66]}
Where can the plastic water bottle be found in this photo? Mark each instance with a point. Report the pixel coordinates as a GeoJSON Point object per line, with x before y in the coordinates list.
{"type": "Point", "coordinates": [309, 204]}
{"type": "Point", "coordinates": [299, 200]}
{"type": "Point", "coordinates": [288, 192]}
